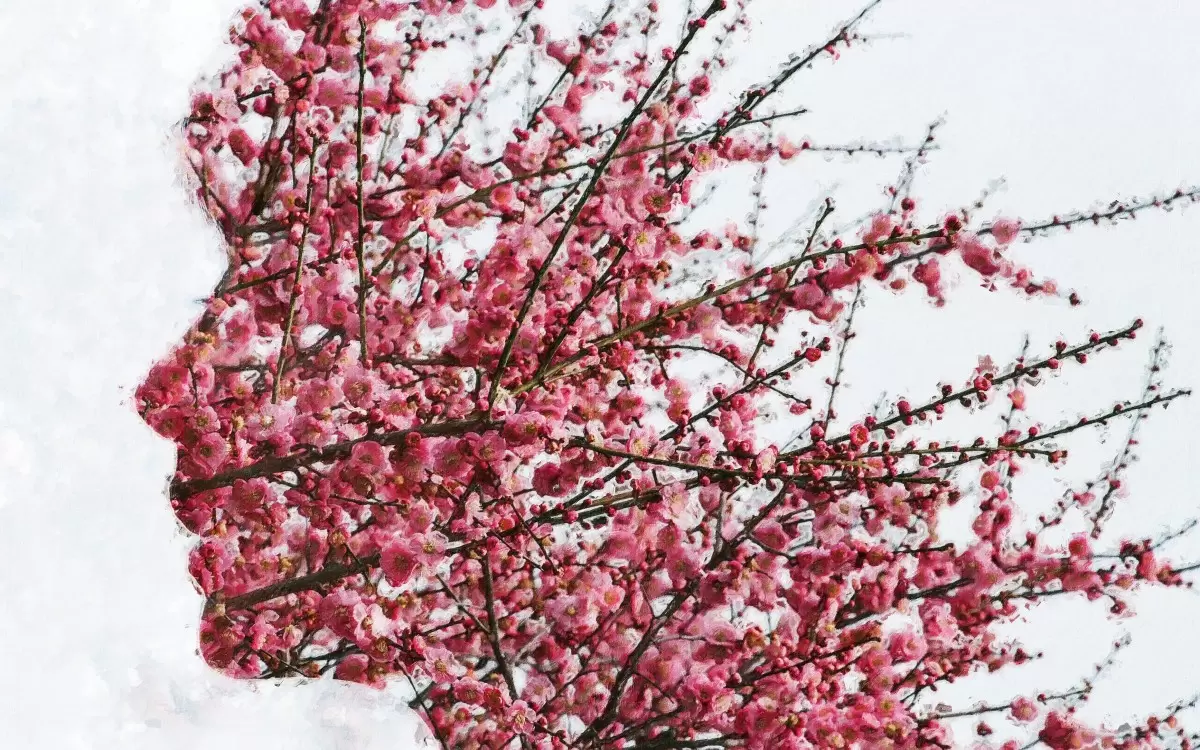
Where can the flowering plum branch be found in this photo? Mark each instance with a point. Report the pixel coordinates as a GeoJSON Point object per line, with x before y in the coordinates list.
{"type": "Point", "coordinates": [441, 420]}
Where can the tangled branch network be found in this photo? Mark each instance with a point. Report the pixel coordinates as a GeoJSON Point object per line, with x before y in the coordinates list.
{"type": "Point", "coordinates": [440, 422]}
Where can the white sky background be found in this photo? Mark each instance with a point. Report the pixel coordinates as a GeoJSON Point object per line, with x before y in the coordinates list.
{"type": "Point", "coordinates": [102, 259]}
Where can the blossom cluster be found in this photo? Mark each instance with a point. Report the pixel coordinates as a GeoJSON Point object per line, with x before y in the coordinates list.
{"type": "Point", "coordinates": [488, 474]}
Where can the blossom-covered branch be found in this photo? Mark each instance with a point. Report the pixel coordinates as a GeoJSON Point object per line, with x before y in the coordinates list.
{"type": "Point", "coordinates": [446, 417]}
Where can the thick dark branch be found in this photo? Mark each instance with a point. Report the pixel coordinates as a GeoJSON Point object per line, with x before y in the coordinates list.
{"type": "Point", "coordinates": [327, 575]}
{"type": "Point", "coordinates": [493, 628]}
{"type": "Point", "coordinates": [277, 465]}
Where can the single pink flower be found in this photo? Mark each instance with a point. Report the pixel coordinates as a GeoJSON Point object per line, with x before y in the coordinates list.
{"type": "Point", "coordinates": [398, 561]}
{"type": "Point", "coordinates": [1006, 230]}
{"type": "Point", "coordinates": [210, 452]}
{"type": "Point", "coordinates": [657, 201]}
{"type": "Point", "coordinates": [1023, 710]}
{"type": "Point", "coordinates": [441, 665]}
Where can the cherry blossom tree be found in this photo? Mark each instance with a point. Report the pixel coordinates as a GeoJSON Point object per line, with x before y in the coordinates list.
{"type": "Point", "coordinates": [488, 410]}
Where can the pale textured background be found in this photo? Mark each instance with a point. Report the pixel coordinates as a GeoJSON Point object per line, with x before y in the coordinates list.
{"type": "Point", "coordinates": [103, 259]}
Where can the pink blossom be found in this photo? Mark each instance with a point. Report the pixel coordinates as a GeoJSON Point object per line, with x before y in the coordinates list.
{"type": "Point", "coordinates": [566, 120]}
{"type": "Point", "coordinates": [521, 718]}
{"type": "Point", "coordinates": [357, 668]}
{"type": "Point", "coordinates": [268, 420]}
{"type": "Point", "coordinates": [209, 561]}
{"type": "Point", "coordinates": [978, 256]}
{"type": "Point", "coordinates": [1006, 230]}
{"type": "Point", "coordinates": [441, 665]}
{"type": "Point", "coordinates": [369, 454]}
{"type": "Point", "coordinates": [342, 612]}
{"type": "Point", "coordinates": [906, 646]}
{"type": "Point", "coordinates": [1023, 710]}
{"type": "Point", "coordinates": [168, 422]}
{"type": "Point", "coordinates": [242, 146]}
{"type": "Point", "coordinates": [657, 201]}
{"type": "Point", "coordinates": [548, 481]}
{"type": "Point", "coordinates": [398, 561]}
{"type": "Point", "coordinates": [250, 496]}
{"type": "Point", "coordinates": [210, 452]}
{"type": "Point", "coordinates": [317, 396]}
{"type": "Point", "coordinates": [705, 159]}
{"type": "Point", "coordinates": [359, 390]}
{"type": "Point", "coordinates": [880, 229]}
